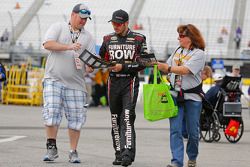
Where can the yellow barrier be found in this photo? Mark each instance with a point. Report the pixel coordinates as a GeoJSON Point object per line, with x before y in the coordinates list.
{"type": "Point", "coordinates": [24, 86]}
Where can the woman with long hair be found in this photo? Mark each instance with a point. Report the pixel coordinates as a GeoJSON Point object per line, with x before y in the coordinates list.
{"type": "Point", "coordinates": [185, 66]}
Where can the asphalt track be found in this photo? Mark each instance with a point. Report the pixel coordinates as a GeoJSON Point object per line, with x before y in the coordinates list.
{"type": "Point", "coordinates": [22, 142]}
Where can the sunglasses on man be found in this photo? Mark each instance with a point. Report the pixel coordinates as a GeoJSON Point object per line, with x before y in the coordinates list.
{"type": "Point", "coordinates": [85, 11]}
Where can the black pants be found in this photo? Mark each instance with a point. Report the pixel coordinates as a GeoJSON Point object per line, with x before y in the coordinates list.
{"type": "Point", "coordinates": [98, 93]}
{"type": "Point", "coordinates": [122, 95]}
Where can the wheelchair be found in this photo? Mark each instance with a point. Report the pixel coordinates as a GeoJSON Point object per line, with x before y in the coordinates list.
{"type": "Point", "coordinates": [228, 107]}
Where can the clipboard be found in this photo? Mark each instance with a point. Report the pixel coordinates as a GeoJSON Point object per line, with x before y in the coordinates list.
{"type": "Point", "coordinates": [93, 61]}
{"type": "Point", "coordinates": [148, 60]}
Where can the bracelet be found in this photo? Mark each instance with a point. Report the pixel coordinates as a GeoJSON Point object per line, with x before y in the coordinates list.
{"type": "Point", "coordinates": [169, 69]}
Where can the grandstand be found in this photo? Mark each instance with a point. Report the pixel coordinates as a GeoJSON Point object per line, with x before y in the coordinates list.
{"type": "Point", "coordinates": [158, 17]}
{"type": "Point", "coordinates": [246, 28]}
{"type": "Point", "coordinates": [9, 15]}
{"type": "Point", "coordinates": [59, 10]}
{"type": "Point", "coordinates": [164, 16]}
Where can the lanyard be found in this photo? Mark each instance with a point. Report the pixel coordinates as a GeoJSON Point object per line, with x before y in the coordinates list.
{"type": "Point", "coordinates": [74, 34]}
{"type": "Point", "coordinates": [182, 56]}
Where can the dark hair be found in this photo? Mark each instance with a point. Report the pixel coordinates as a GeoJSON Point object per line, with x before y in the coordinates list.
{"type": "Point", "coordinates": [194, 34]}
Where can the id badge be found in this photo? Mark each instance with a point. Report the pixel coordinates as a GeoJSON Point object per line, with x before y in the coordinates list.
{"type": "Point", "coordinates": [78, 62]}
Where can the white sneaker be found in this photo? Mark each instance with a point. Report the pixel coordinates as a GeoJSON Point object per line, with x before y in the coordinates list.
{"type": "Point", "coordinates": [73, 157]}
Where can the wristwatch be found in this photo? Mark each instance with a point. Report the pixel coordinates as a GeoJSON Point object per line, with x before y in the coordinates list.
{"type": "Point", "coordinates": [169, 69]}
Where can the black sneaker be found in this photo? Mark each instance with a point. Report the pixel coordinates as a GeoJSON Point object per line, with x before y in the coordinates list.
{"type": "Point", "coordinates": [126, 161]}
{"type": "Point", "coordinates": [117, 161]}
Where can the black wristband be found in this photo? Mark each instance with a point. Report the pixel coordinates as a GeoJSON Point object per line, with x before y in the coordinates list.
{"type": "Point", "coordinates": [169, 69]}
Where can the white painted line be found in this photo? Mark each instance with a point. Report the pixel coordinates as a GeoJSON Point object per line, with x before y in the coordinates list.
{"type": "Point", "coordinates": [13, 138]}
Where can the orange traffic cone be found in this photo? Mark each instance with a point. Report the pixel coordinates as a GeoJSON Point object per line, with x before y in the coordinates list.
{"type": "Point", "coordinates": [17, 6]}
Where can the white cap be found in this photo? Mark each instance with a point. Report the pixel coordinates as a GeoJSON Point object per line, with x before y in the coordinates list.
{"type": "Point", "coordinates": [218, 77]}
{"type": "Point", "coordinates": [236, 66]}
{"type": "Point", "coordinates": [82, 10]}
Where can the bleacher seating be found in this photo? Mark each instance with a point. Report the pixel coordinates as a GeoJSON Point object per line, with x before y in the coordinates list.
{"type": "Point", "coordinates": [246, 28]}
{"type": "Point", "coordinates": [9, 15]}
{"type": "Point", "coordinates": [159, 18]}
{"type": "Point", "coordinates": [163, 17]}
{"type": "Point", "coordinates": [59, 10]}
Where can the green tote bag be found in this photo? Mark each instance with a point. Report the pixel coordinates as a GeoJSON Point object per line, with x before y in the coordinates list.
{"type": "Point", "coordinates": [158, 102]}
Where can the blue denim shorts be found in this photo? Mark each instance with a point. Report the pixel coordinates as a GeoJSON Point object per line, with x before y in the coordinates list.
{"type": "Point", "coordinates": [57, 98]}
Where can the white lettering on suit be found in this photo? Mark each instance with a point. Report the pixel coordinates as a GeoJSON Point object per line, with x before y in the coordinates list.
{"type": "Point", "coordinates": [116, 132]}
{"type": "Point", "coordinates": [124, 51]}
{"type": "Point", "coordinates": [128, 132]}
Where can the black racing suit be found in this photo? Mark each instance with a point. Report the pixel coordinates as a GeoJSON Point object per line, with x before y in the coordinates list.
{"type": "Point", "coordinates": [123, 87]}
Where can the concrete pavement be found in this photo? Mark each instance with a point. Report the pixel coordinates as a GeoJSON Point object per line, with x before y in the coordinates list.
{"type": "Point", "coordinates": [95, 146]}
